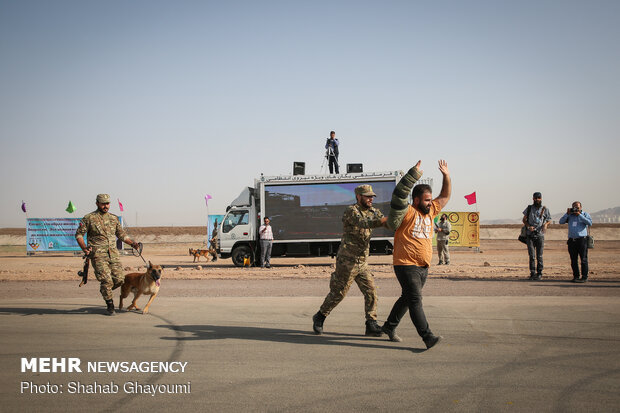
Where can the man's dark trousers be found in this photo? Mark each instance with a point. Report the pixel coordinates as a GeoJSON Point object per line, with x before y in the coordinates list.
{"type": "Point", "coordinates": [411, 279]}
{"type": "Point", "coordinates": [578, 248]}
{"type": "Point", "coordinates": [333, 164]}
{"type": "Point", "coordinates": [535, 246]}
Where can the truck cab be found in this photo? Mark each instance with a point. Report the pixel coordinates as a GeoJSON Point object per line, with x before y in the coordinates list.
{"type": "Point", "coordinates": [237, 231]}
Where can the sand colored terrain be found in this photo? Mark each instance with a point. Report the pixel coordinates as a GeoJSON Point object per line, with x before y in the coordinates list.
{"type": "Point", "coordinates": [197, 235]}
{"type": "Point", "coordinates": [500, 257]}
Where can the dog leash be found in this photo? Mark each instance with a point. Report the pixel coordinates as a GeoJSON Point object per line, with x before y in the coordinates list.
{"type": "Point", "coordinates": [139, 252]}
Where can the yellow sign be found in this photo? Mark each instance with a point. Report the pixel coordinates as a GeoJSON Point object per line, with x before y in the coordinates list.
{"type": "Point", "coordinates": [465, 230]}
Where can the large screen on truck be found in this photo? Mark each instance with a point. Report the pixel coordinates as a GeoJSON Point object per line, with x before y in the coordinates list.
{"type": "Point", "coordinates": [314, 211]}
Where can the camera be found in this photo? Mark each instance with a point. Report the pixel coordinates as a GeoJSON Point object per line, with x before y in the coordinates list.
{"type": "Point", "coordinates": [574, 210]}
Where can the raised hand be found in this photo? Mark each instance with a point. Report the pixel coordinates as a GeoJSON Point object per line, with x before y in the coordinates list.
{"type": "Point", "coordinates": [417, 166]}
{"type": "Point", "coordinates": [443, 167]}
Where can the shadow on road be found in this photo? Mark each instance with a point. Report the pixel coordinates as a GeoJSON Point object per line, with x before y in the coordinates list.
{"type": "Point", "coordinates": [570, 284]}
{"type": "Point", "coordinates": [548, 281]}
{"type": "Point", "coordinates": [98, 309]}
{"type": "Point", "coordinates": [211, 332]}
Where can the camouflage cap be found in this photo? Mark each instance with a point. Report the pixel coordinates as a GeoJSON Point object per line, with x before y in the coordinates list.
{"type": "Point", "coordinates": [103, 198]}
{"type": "Point", "coordinates": [365, 190]}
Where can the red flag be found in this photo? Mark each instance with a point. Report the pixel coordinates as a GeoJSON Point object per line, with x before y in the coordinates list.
{"type": "Point", "coordinates": [120, 206]}
{"type": "Point", "coordinates": [471, 198]}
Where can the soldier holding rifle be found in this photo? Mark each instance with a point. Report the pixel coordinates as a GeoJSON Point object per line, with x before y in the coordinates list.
{"type": "Point", "coordinates": [102, 228]}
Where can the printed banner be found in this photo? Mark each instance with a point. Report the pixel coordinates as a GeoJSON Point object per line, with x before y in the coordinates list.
{"type": "Point", "coordinates": [212, 222]}
{"type": "Point", "coordinates": [52, 234]}
{"type": "Point", "coordinates": [465, 228]}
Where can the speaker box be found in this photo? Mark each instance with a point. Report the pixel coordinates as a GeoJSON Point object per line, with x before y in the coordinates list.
{"type": "Point", "coordinates": [353, 168]}
{"type": "Point", "coordinates": [299, 168]}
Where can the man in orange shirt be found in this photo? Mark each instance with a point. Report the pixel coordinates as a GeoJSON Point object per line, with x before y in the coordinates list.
{"type": "Point", "coordinates": [413, 248]}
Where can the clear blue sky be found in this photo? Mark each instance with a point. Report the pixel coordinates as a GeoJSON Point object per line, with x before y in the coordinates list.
{"type": "Point", "coordinates": [160, 102]}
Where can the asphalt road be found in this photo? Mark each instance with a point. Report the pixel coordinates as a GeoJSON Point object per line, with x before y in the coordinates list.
{"type": "Point", "coordinates": [319, 287]}
{"type": "Point", "coordinates": [500, 353]}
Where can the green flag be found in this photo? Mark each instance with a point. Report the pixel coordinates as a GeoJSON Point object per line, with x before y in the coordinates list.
{"type": "Point", "coordinates": [71, 208]}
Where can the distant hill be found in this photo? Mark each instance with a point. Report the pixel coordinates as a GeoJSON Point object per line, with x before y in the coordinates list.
{"type": "Point", "coordinates": [499, 221]}
{"type": "Point", "coordinates": [609, 215]}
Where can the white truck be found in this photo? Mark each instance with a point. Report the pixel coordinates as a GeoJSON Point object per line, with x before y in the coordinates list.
{"type": "Point", "coordinates": [305, 212]}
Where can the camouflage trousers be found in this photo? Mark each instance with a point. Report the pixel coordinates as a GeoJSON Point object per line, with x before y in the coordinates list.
{"type": "Point", "coordinates": [443, 251]}
{"type": "Point", "coordinates": [347, 270]}
{"type": "Point", "coordinates": [108, 271]}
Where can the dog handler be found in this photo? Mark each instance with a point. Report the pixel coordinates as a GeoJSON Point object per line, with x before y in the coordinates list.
{"type": "Point", "coordinates": [102, 228]}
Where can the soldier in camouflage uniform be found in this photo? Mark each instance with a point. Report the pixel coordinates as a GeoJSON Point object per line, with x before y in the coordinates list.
{"type": "Point", "coordinates": [358, 221]}
{"type": "Point", "coordinates": [102, 229]}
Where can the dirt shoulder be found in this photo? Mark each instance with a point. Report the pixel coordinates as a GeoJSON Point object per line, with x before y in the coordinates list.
{"type": "Point", "coordinates": [497, 260]}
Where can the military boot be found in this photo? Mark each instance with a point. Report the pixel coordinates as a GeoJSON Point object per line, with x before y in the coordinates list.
{"type": "Point", "coordinates": [317, 320]}
{"type": "Point", "coordinates": [110, 309]}
{"type": "Point", "coordinates": [373, 329]}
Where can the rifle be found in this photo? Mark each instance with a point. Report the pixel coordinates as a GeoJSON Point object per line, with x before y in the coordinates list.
{"type": "Point", "coordinates": [84, 272]}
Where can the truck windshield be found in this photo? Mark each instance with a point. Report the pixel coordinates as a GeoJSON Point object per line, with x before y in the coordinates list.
{"type": "Point", "coordinates": [233, 219]}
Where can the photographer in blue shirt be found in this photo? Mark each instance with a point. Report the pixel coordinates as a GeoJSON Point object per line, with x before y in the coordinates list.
{"type": "Point", "coordinates": [578, 223]}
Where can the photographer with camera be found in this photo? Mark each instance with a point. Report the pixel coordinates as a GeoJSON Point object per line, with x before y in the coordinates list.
{"type": "Point", "coordinates": [578, 223]}
{"type": "Point", "coordinates": [332, 152]}
{"type": "Point", "coordinates": [536, 218]}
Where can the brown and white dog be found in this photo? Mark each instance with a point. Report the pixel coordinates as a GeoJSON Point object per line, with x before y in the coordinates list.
{"type": "Point", "coordinates": [142, 283]}
{"type": "Point", "coordinates": [205, 253]}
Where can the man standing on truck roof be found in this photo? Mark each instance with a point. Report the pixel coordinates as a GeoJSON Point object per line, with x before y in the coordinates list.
{"type": "Point", "coordinates": [358, 221]}
{"type": "Point", "coordinates": [332, 152]}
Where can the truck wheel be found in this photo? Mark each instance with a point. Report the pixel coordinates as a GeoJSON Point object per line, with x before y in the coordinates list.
{"type": "Point", "coordinates": [241, 252]}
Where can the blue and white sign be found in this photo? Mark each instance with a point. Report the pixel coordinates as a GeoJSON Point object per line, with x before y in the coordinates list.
{"type": "Point", "coordinates": [52, 234]}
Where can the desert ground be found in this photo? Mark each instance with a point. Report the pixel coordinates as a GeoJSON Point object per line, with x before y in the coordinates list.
{"type": "Point", "coordinates": [500, 256]}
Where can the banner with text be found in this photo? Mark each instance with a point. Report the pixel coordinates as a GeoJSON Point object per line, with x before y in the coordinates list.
{"type": "Point", "coordinates": [52, 234]}
{"type": "Point", "coordinates": [213, 222]}
{"type": "Point", "coordinates": [465, 228]}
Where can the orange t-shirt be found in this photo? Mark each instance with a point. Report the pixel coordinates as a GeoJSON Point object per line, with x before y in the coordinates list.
{"type": "Point", "coordinates": [413, 240]}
